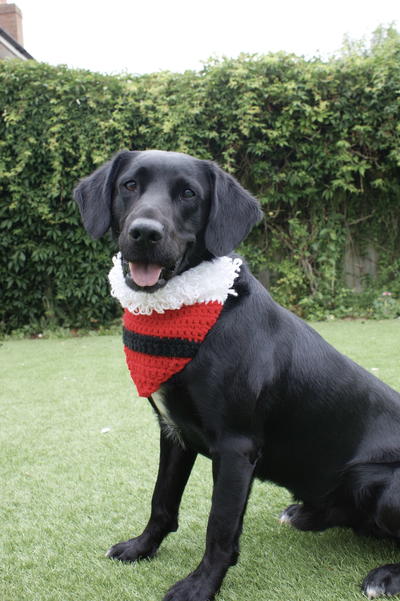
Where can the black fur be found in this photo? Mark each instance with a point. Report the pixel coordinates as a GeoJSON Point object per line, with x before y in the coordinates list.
{"type": "Point", "coordinates": [265, 395]}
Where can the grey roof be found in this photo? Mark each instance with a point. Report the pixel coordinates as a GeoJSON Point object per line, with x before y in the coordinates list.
{"type": "Point", "coordinates": [10, 40]}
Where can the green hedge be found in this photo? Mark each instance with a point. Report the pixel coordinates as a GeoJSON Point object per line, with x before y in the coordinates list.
{"type": "Point", "coordinates": [318, 143]}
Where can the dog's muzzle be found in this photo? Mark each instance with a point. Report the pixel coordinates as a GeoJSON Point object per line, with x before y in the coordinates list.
{"type": "Point", "coordinates": [143, 255]}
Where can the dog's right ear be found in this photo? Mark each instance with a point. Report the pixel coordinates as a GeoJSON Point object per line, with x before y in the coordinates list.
{"type": "Point", "coordinates": [94, 195]}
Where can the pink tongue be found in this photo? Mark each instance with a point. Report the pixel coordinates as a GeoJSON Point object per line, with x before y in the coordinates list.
{"type": "Point", "coordinates": [145, 275]}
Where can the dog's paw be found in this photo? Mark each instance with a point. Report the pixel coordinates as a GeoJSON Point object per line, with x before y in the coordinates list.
{"type": "Point", "coordinates": [132, 550]}
{"type": "Point", "coordinates": [288, 514]}
{"type": "Point", "coordinates": [192, 588]}
{"type": "Point", "coordinates": [384, 580]}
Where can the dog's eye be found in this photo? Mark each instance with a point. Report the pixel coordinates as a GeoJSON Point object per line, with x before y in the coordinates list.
{"type": "Point", "coordinates": [188, 193]}
{"type": "Point", "coordinates": [131, 185]}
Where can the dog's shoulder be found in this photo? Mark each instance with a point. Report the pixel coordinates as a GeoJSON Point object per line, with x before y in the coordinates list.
{"type": "Point", "coordinates": [252, 306]}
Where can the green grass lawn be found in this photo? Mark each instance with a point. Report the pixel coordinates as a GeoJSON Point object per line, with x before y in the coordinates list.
{"type": "Point", "coordinates": [69, 491]}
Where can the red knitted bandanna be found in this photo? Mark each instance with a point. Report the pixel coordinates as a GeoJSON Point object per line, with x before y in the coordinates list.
{"type": "Point", "coordinates": [164, 329]}
{"type": "Point", "coordinates": [159, 345]}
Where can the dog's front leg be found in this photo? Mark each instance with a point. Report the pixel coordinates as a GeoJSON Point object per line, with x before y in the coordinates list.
{"type": "Point", "coordinates": [174, 470]}
{"type": "Point", "coordinates": [233, 469]}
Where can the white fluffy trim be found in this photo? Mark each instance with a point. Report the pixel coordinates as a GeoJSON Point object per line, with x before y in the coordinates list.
{"type": "Point", "coordinates": [210, 281]}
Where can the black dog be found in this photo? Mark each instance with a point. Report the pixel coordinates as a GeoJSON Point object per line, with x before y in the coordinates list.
{"type": "Point", "coordinates": [264, 397]}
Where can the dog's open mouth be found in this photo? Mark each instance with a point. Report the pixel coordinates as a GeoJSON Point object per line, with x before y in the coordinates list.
{"type": "Point", "coordinates": [147, 276]}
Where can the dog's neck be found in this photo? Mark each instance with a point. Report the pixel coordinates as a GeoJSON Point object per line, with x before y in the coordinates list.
{"type": "Point", "coordinates": [210, 281]}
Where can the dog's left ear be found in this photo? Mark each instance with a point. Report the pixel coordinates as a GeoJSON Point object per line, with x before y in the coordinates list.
{"type": "Point", "coordinates": [94, 195]}
{"type": "Point", "coordinates": [233, 213]}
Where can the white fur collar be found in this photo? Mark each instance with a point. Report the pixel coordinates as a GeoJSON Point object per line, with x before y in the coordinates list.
{"type": "Point", "coordinates": [210, 281]}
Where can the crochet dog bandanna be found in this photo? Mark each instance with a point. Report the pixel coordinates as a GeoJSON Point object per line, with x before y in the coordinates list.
{"type": "Point", "coordinates": [163, 330]}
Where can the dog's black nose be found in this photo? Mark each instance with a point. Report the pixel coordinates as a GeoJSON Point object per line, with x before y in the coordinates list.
{"type": "Point", "coordinates": [147, 232]}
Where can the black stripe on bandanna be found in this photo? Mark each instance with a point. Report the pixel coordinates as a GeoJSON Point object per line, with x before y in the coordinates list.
{"type": "Point", "coordinates": [162, 347]}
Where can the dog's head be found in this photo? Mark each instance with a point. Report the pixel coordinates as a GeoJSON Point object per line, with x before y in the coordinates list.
{"type": "Point", "coordinates": [169, 211]}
